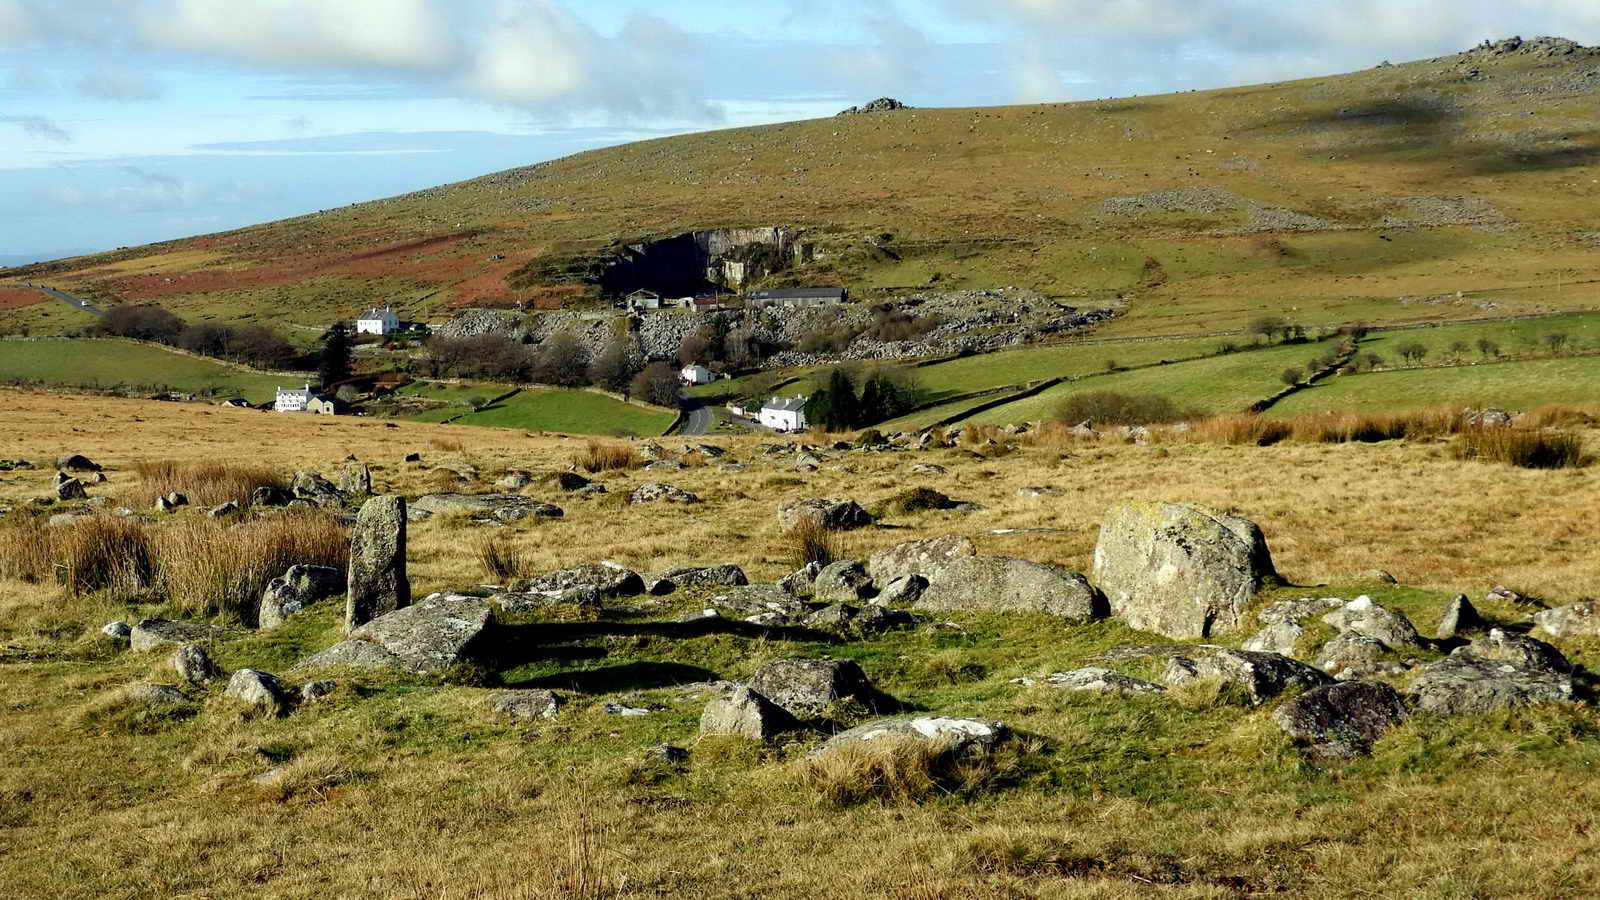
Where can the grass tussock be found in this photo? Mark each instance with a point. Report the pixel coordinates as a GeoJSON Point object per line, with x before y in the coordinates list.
{"type": "Point", "coordinates": [205, 567]}
{"type": "Point", "coordinates": [26, 553]}
{"type": "Point", "coordinates": [602, 456]}
{"type": "Point", "coordinates": [1527, 448]}
{"type": "Point", "coordinates": [1240, 429]}
{"type": "Point", "coordinates": [809, 541]}
{"type": "Point", "coordinates": [1558, 415]}
{"type": "Point", "coordinates": [446, 445]}
{"type": "Point", "coordinates": [502, 561]}
{"type": "Point", "coordinates": [906, 770]}
{"type": "Point", "coordinates": [204, 483]}
{"type": "Point", "coordinates": [104, 553]}
{"type": "Point", "coordinates": [135, 709]}
{"type": "Point", "coordinates": [307, 778]}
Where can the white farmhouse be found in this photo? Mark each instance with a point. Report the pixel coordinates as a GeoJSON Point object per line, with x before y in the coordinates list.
{"type": "Point", "coordinates": [784, 413]}
{"type": "Point", "coordinates": [696, 374]}
{"type": "Point", "coordinates": [378, 321]}
{"type": "Point", "coordinates": [292, 400]}
{"type": "Point", "coordinates": [642, 299]}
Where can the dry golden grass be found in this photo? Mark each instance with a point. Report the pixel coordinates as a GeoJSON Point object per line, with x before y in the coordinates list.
{"type": "Point", "coordinates": [1526, 448]}
{"type": "Point", "coordinates": [601, 456]}
{"type": "Point", "coordinates": [208, 483]}
{"type": "Point", "coordinates": [206, 567]}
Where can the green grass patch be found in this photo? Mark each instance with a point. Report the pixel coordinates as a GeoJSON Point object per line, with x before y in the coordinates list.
{"type": "Point", "coordinates": [135, 367]}
{"type": "Point", "coordinates": [1512, 385]}
{"type": "Point", "coordinates": [571, 412]}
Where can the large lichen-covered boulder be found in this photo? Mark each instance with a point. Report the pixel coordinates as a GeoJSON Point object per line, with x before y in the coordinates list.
{"type": "Point", "coordinates": [1578, 620]}
{"type": "Point", "coordinates": [294, 590]}
{"type": "Point", "coordinates": [1501, 670]}
{"type": "Point", "coordinates": [917, 557]}
{"type": "Point", "coordinates": [441, 631]}
{"type": "Point", "coordinates": [806, 686]}
{"type": "Point", "coordinates": [1341, 720]}
{"type": "Point", "coordinates": [1001, 583]}
{"type": "Point", "coordinates": [1179, 571]}
{"type": "Point", "coordinates": [831, 514]}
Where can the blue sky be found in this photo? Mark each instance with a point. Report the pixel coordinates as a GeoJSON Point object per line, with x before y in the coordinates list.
{"type": "Point", "coordinates": [129, 121]}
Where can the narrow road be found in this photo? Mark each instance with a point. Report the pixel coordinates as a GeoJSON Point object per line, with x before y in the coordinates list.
{"type": "Point", "coordinates": [65, 298]}
{"type": "Point", "coordinates": [698, 418]}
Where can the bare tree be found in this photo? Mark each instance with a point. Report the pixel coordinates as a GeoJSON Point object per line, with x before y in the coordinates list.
{"type": "Point", "coordinates": [562, 361]}
{"type": "Point", "coordinates": [657, 384]}
{"type": "Point", "coordinates": [613, 369]}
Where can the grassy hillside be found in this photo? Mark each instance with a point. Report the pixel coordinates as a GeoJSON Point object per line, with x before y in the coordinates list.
{"type": "Point", "coordinates": [1434, 190]}
{"type": "Point", "coordinates": [1519, 385]}
{"type": "Point", "coordinates": [138, 367]}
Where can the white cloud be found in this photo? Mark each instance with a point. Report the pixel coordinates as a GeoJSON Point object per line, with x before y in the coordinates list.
{"type": "Point", "coordinates": [412, 34]}
{"type": "Point", "coordinates": [119, 84]}
{"type": "Point", "coordinates": [16, 25]}
{"type": "Point", "coordinates": [39, 127]}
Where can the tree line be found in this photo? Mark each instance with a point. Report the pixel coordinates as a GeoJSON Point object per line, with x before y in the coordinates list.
{"type": "Point", "coordinates": [254, 345]}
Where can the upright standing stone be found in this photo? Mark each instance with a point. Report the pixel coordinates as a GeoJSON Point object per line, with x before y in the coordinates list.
{"type": "Point", "coordinates": [378, 581]}
{"type": "Point", "coordinates": [357, 479]}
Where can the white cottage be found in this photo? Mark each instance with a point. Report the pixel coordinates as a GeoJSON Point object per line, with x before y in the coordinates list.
{"type": "Point", "coordinates": [292, 400]}
{"type": "Point", "coordinates": [696, 374]}
{"type": "Point", "coordinates": [642, 299]}
{"type": "Point", "coordinates": [784, 413]}
{"type": "Point", "coordinates": [378, 321]}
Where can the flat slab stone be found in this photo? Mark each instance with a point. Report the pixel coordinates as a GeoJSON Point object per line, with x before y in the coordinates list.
{"type": "Point", "coordinates": [500, 507]}
{"type": "Point", "coordinates": [1102, 680]}
{"type": "Point", "coordinates": [152, 634]}
{"type": "Point", "coordinates": [434, 634]}
{"type": "Point", "coordinates": [958, 735]}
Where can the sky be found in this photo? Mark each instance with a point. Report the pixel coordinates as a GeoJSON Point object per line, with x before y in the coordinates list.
{"type": "Point", "coordinates": [129, 121]}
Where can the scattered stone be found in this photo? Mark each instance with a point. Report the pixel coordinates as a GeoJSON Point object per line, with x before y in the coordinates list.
{"type": "Point", "coordinates": [799, 582]}
{"type": "Point", "coordinates": [917, 557]}
{"type": "Point", "coordinates": [1461, 616]}
{"type": "Point", "coordinates": [1500, 671]}
{"type": "Point", "coordinates": [311, 486]}
{"type": "Point", "coordinates": [1339, 721]}
{"type": "Point", "coordinates": [266, 495]}
{"type": "Point", "coordinates": [119, 630]}
{"type": "Point", "coordinates": [607, 578]}
{"type": "Point", "coordinates": [73, 462]}
{"type": "Point", "coordinates": [1293, 612]}
{"type": "Point", "coordinates": [1037, 492]}
{"type": "Point", "coordinates": [928, 469]}
{"type": "Point", "coordinates": [496, 507]}
{"type": "Point", "coordinates": [805, 687]}
{"type": "Point", "coordinates": [842, 581]}
{"type": "Point", "coordinates": [833, 515]}
{"type": "Point", "coordinates": [413, 457]}
{"type": "Point", "coordinates": [571, 481]}
{"type": "Point", "coordinates": [1101, 680]}
{"type": "Point", "coordinates": [176, 499]}
{"type": "Point", "coordinates": [619, 709]}
{"type": "Point", "coordinates": [151, 634]}
{"type": "Point", "coordinates": [656, 492]}
{"type": "Point", "coordinates": [312, 691]}
{"type": "Point", "coordinates": [1004, 583]}
{"type": "Point", "coordinates": [667, 754]}
{"type": "Point", "coordinates": [757, 599]}
{"type": "Point", "coordinates": [223, 510]}
{"type": "Point", "coordinates": [706, 576]}
{"type": "Point", "coordinates": [356, 479]}
{"type": "Point", "coordinates": [1180, 571]}
{"type": "Point", "coordinates": [1365, 617]}
{"type": "Point", "coordinates": [193, 664]}
{"type": "Point", "coordinates": [153, 695]}
{"type": "Point", "coordinates": [1280, 638]}
{"type": "Point", "coordinates": [1379, 575]}
{"type": "Point", "coordinates": [529, 704]}
{"type": "Point", "coordinates": [660, 587]}
{"type": "Point", "coordinates": [377, 582]}
{"type": "Point", "coordinates": [1503, 594]}
{"type": "Point", "coordinates": [439, 632]}
{"type": "Point", "coordinates": [957, 736]}
{"type": "Point", "coordinates": [514, 481]}
{"type": "Point", "coordinates": [1261, 676]}
{"type": "Point", "coordinates": [902, 591]}
{"type": "Point", "coordinates": [518, 602]}
{"type": "Point", "coordinates": [1350, 653]}
{"type": "Point", "coordinates": [874, 618]}
{"type": "Point", "coordinates": [70, 517]}
{"type": "Point", "coordinates": [71, 489]}
{"type": "Point", "coordinates": [260, 690]}
{"type": "Point", "coordinates": [1577, 620]}
{"type": "Point", "coordinates": [294, 590]}
{"type": "Point", "coordinates": [745, 713]}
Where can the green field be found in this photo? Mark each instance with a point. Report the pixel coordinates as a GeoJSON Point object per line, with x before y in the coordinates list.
{"type": "Point", "coordinates": [571, 412]}
{"type": "Point", "coordinates": [1213, 385]}
{"type": "Point", "coordinates": [1510, 385]}
{"type": "Point", "coordinates": [1521, 337]}
{"type": "Point", "coordinates": [136, 367]}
